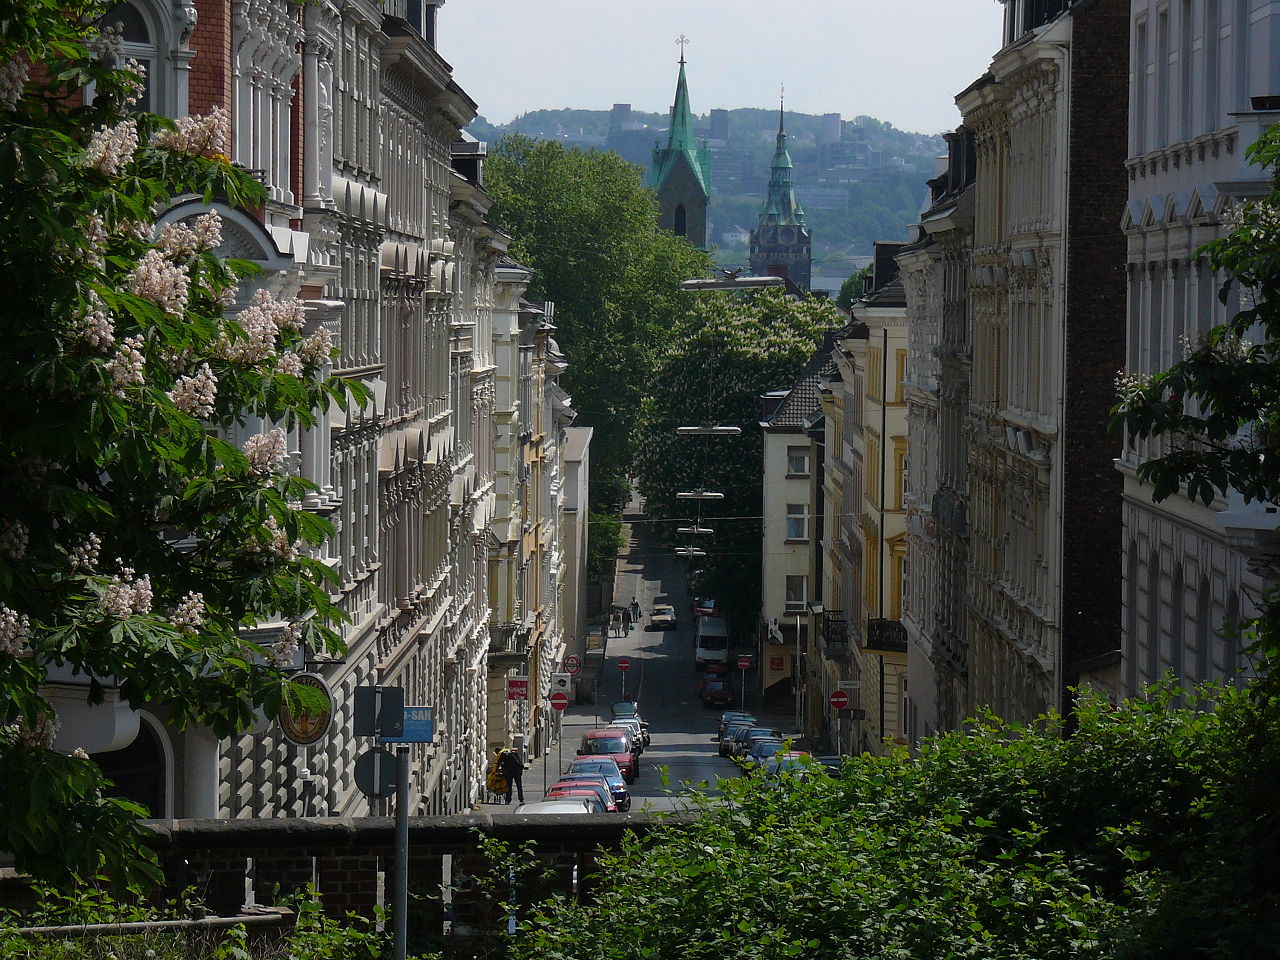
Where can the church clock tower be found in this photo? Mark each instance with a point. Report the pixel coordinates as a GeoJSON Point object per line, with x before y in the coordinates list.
{"type": "Point", "coordinates": [781, 244]}
{"type": "Point", "coordinates": [682, 171]}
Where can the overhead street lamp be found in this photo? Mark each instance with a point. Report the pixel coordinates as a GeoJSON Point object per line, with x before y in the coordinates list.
{"type": "Point", "coordinates": [699, 495]}
{"type": "Point", "coordinates": [694, 531]}
{"type": "Point", "coordinates": [708, 430]}
{"type": "Point", "coordinates": [690, 552]}
{"type": "Point", "coordinates": [732, 283]}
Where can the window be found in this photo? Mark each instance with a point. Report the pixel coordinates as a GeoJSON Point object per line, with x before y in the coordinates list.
{"type": "Point", "coordinates": [137, 44]}
{"type": "Point", "coordinates": [797, 593]}
{"type": "Point", "coordinates": [797, 522]}
{"type": "Point", "coordinates": [680, 221]}
{"type": "Point", "coordinates": [797, 461]}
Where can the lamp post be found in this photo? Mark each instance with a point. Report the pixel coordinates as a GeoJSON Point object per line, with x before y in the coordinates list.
{"type": "Point", "coordinates": [709, 430]}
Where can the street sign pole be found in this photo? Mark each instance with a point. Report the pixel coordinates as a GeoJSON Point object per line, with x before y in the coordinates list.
{"type": "Point", "coordinates": [401, 903]}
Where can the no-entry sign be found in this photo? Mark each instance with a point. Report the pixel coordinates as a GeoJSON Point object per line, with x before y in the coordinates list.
{"type": "Point", "coordinates": [744, 663]}
{"type": "Point", "coordinates": [839, 699]}
{"type": "Point", "coordinates": [624, 664]}
{"type": "Point", "coordinates": [573, 664]}
{"type": "Point", "coordinates": [559, 701]}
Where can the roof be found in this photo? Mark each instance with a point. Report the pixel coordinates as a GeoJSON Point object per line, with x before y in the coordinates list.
{"type": "Point", "coordinates": [802, 399]}
{"type": "Point", "coordinates": [892, 294]}
{"type": "Point", "coordinates": [576, 442]}
{"type": "Point", "coordinates": [682, 142]}
{"type": "Point", "coordinates": [780, 206]}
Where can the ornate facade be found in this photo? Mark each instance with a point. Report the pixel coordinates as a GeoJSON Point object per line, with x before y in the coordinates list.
{"type": "Point", "coordinates": [1202, 91]}
{"type": "Point", "coordinates": [375, 218]}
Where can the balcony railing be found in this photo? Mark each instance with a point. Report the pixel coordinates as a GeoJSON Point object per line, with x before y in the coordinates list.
{"type": "Point", "coordinates": [886, 636]}
{"type": "Point", "coordinates": [835, 635]}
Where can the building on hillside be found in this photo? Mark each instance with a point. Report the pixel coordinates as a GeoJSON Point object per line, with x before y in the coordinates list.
{"type": "Point", "coordinates": [1203, 89]}
{"type": "Point", "coordinates": [375, 219]}
{"type": "Point", "coordinates": [681, 172]}
{"type": "Point", "coordinates": [790, 532]}
{"type": "Point", "coordinates": [935, 275]}
{"type": "Point", "coordinates": [781, 243]}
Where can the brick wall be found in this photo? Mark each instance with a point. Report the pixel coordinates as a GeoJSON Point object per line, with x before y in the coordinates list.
{"type": "Point", "coordinates": [210, 81]}
{"type": "Point", "coordinates": [1095, 333]}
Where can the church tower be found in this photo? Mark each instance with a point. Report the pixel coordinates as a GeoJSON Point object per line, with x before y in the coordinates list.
{"type": "Point", "coordinates": [781, 244]}
{"type": "Point", "coordinates": [682, 172]}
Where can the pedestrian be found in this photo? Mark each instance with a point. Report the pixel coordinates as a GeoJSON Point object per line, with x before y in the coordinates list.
{"type": "Point", "coordinates": [635, 611]}
{"type": "Point", "coordinates": [511, 767]}
{"type": "Point", "coordinates": [615, 624]}
{"type": "Point", "coordinates": [626, 621]}
{"type": "Point", "coordinates": [494, 781]}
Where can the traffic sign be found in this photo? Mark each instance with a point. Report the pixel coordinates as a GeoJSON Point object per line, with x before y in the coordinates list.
{"type": "Point", "coordinates": [517, 688]}
{"type": "Point", "coordinates": [839, 699]}
{"type": "Point", "coordinates": [379, 711]}
{"type": "Point", "coordinates": [376, 773]}
{"type": "Point", "coordinates": [624, 664]}
{"type": "Point", "coordinates": [559, 701]}
{"type": "Point", "coordinates": [561, 683]}
{"type": "Point", "coordinates": [573, 664]}
{"type": "Point", "coordinates": [744, 663]}
{"type": "Point", "coordinates": [419, 726]}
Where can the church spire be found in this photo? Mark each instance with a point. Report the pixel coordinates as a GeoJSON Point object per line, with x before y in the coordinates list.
{"type": "Point", "coordinates": [681, 136]}
{"type": "Point", "coordinates": [681, 171]}
{"type": "Point", "coordinates": [780, 206]}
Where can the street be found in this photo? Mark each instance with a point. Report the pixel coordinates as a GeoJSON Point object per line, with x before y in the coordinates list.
{"type": "Point", "coordinates": [661, 678]}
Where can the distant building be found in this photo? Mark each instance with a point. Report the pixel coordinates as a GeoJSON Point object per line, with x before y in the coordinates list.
{"type": "Point", "coordinates": [682, 173]}
{"type": "Point", "coordinates": [781, 244]}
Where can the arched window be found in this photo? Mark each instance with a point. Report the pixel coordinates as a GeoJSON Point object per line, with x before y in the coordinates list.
{"type": "Point", "coordinates": [1153, 618]}
{"type": "Point", "coordinates": [1177, 633]}
{"type": "Point", "coordinates": [138, 771]}
{"type": "Point", "coordinates": [140, 44]}
{"type": "Point", "coordinates": [1204, 607]}
{"type": "Point", "coordinates": [680, 221]}
{"type": "Point", "coordinates": [1131, 644]}
{"type": "Point", "coordinates": [1230, 634]}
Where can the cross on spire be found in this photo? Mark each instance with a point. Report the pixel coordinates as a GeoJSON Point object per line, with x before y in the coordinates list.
{"type": "Point", "coordinates": [682, 40]}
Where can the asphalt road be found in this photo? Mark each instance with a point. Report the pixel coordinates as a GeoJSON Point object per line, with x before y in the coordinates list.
{"type": "Point", "coordinates": [661, 678]}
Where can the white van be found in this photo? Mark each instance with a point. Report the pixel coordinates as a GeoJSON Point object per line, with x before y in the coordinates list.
{"type": "Point", "coordinates": [711, 641]}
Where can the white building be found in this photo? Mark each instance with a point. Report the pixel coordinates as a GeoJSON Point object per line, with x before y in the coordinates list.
{"type": "Point", "coordinates": [1203, 88]}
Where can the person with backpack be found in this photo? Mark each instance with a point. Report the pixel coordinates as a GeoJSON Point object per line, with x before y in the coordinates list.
{"type": "Point", "coordinates": [512, 769]}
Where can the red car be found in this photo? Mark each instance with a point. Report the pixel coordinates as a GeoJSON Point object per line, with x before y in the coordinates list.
{"type": "Point", "coordinates": [717, 693]}
{"type": "Point", "coordinates": [575, 789]}
{"type": "Point", "coordinates": [705, 607]}
{"type": "Point", "coordinates": [612, 742]}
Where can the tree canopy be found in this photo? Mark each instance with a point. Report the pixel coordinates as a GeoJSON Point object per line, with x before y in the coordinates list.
{"type": "Point", "coordinates": [586, 224]}
{"type": "Point", "coordinates": [730, 350]}
{"type": "Point", "coordinates": [136, 541]}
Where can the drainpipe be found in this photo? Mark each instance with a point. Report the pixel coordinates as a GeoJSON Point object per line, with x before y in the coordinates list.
{"type": "Point", "coordinates": [884, 459]}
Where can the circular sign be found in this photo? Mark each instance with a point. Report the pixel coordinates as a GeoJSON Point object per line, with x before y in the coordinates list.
{"type": "Point", "coordinates": [839, 699]}
{"type": "Point", "coordinates": [624, 664]}
{"type": "Point", "coordinates": [559, 701]}
{"type": "Point", "coordinates": [744, 663]}
{"type": "Point", "coordinates": [304, 728]}
{"type": "Point", "coordinates": [376, 773]}
{"type": "Point", "coordinates": [573, 664]}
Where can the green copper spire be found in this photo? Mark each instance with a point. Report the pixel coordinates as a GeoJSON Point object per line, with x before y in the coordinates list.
{"type": "Point", "coordinates": [681, 141]}
{"type": "Point", "coordinates": [781, 206]}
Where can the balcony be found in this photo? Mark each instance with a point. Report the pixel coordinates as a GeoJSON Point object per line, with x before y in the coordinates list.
{"type": "Point", "coordinates": [508, 644]}
{"type": "Point", "coordinates": [835, 635]}
{"type": "Point", "coordinates": [886, 636]}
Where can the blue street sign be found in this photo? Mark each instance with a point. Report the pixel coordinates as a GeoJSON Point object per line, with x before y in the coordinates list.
{"type": "Point", "coordinates": [419, 726]}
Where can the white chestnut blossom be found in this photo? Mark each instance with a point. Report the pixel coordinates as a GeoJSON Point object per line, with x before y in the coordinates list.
{"type": "Point", "coordinates": [137, 84]}
{"type": "Point", "coordinates": [85, 556]}
{"type": "Point", "coordinates": [127, 595]}
{"type": "Point", "coordinates": [80, 753]}
{"type": "Point", "coordinates": [279, 544]}
{"type": "Point", "coordinates": [290, 364]}
{"type": "Point", "coordinates": [282, 650]}
{"type": "Point", "coordinates": [126, 367]}
{"type": "Point", "coordinates": [182, 240]}
{"type": "Point", "coordinates": [267, 452]}
{"type": "Point", "coordinates": [195, 394]}
{"type": "Point", "coordinates": [285, 314]}
{"type": "Point", "coordinates": [189, 614]}
{"type": "Point", "coordinates": [15, 632]}
{"type": "Point", "coordinates": [13, 80]}
{"type": "Point", "coordinates": [38, 737]}
{"type": "Point", "coordinates": [110, 148]}
{"type": "Point", "coordinates": [13, 540]}
{"type": "Point", "coordinates": [317, 348]}
{"type": "Point", "coordinates": [161, 281]}
{"type": "Point", "coordinates": [197, 135]}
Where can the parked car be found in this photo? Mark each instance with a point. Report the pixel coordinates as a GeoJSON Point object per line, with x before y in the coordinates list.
{"type": "Point", "coordinates": [832, 765]}
{"type": "Point", "coordinates": [726, 738]}
{"type": "Point", "coordinates": [607, 768]}
{"type": "Point", "coordinates": [762, 749]}
{"type": "Point", "coordinates": [729, 716]}
{"type": "Point", "coordinates": [741, 742]}
{"type": "Point", "coordinates": [615, 743]}
{"type": "Point", "coordinates": [629, 708]}
{"type": "Point", "coordinates": [633, 727]}
{"type": "Point", "coordinates": [662, 617]}
{"type": "Point", "coordinates": [561, 806]}
{"type": "Point", "coordinates": [797, 763]}
{"type": "Point", "coordinates": [705, 607]}
{"type": "Point", "coordinates": [717, 693]}
{"type": "Point", "coordinates": [577, 788]}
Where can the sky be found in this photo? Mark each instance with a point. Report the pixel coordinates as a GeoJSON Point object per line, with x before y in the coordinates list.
{"type": "Point", "coordinates": [897, 60]}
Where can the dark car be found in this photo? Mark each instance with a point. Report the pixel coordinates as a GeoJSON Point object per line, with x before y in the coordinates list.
{"type": "Point", "coordinates": [731, 716]}
{"type": "Point", "coordinates": [741, 741]}
{"type": "Point", "coordinates": [607, 768]}
{"type": "Point", "coordinates": [717, 693]}
{"type": "Point", "coordinates": [625, 709]}
{"type": "Point", "coordinates": [731, 731]}
{"type": "Point", "coordinates": [704, 607]}
{"type": "Point", "coordinates": [762, 749]}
